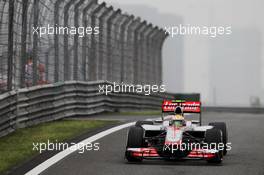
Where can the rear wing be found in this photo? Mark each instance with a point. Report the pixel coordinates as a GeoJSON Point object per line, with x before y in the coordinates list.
{"type": "Point", "coordinates": [187, 107]}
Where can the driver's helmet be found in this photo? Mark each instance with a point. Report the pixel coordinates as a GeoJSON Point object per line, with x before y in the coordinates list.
{"type": "Point", "coordinates": [177, 123]}
{"type": "Point", "coordinates": [178, 111]}
{"type": "Point", "coordinates": [178, 119]}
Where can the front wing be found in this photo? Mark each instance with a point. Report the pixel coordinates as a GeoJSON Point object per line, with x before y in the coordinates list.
{"type": "Point", "coordinates": [152, 153]}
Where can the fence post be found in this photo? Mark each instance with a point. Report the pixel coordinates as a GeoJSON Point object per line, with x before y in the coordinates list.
{"type": "Point", "coordinates": [161, 36]}
{"type": "Point", "coordinates": [101, 37]}
{"type": "Point", "coordinates": [66, 41]}
{"type": "Point", "coordinates": [152, 55]}
{"type": "Point", "coordinates": [23, 43]}
{"type": "Point", "coordinates": [124, 29]}
{"type": "Point", "coordinates": [10, 45]}
{"type": "Point", "coordinates": [76, 38]}
{"type": "Point", "coordinates": [109, 45]}
{"type": "Point", "coordinates": [164, 36]}
{"type": "Point", "coordinates": [35, 42]}
{"type": "Point", "coordinates": [56, 41]}
{"type": "Point", "coordinates": [138, 51]}
{"type": "Point", "coordinates": [92, 63]}
{"type": "Point", "coordinates": [116, 50]}
{"type": "Point", "coordinates": [132, 45]}
{"type": "Point", "coordinates": [144, 64]}
{"type": "Point", "coordinates": [84, 40]}
{"type": "Point", "coordinates": [47, 66]}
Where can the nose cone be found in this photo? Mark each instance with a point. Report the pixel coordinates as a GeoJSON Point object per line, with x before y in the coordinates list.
{"type": "Point", "coordinates": [174, 135]}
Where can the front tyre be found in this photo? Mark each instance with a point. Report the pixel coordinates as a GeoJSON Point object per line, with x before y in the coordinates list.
{"type": "Point", "coordinates": [134, 140]}
{"type": "Point", "coordinates": [213, 137]}
{"type": "Point", "coordinates": [223, 128]}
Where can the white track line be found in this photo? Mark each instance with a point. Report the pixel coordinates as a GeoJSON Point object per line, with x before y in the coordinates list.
{"type": "Point", "coordinates": [51, 161]}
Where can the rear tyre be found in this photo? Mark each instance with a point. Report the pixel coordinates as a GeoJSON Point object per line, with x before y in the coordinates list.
{"type": "Point", "coordinates": [140, 123]}
{"type": "Point", "coordinates": [213, 137]}
{"type": "Point", "coordinates": [223, 128]}
{"type": "Point", "coordinates": [134, 140]}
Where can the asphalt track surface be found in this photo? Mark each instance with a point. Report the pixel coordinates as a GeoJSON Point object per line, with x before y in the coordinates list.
{"type": "Point", "coordinates": [246, 157]}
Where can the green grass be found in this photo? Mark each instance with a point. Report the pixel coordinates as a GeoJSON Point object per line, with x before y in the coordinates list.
{"type": "Point", "coordinates": [18, 146]}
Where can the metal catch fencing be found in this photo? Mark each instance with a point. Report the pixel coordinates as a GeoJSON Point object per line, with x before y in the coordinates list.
{"type": "Point", "coordinates": [50, 41]}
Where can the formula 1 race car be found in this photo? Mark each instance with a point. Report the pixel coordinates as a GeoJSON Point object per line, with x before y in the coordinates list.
{"type": "Point", "coordinates": [174, 138]}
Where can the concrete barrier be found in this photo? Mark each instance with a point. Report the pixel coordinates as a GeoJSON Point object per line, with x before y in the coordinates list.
{"type": "Point", "coordinates": [31, 106]}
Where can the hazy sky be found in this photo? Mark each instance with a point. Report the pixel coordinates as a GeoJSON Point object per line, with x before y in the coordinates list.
{"type": "Point", "coordinates": [241, 15]}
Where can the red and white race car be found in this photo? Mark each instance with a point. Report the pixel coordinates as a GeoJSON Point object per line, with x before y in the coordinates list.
{"type": "Point", "coordinates": [175, 138]}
